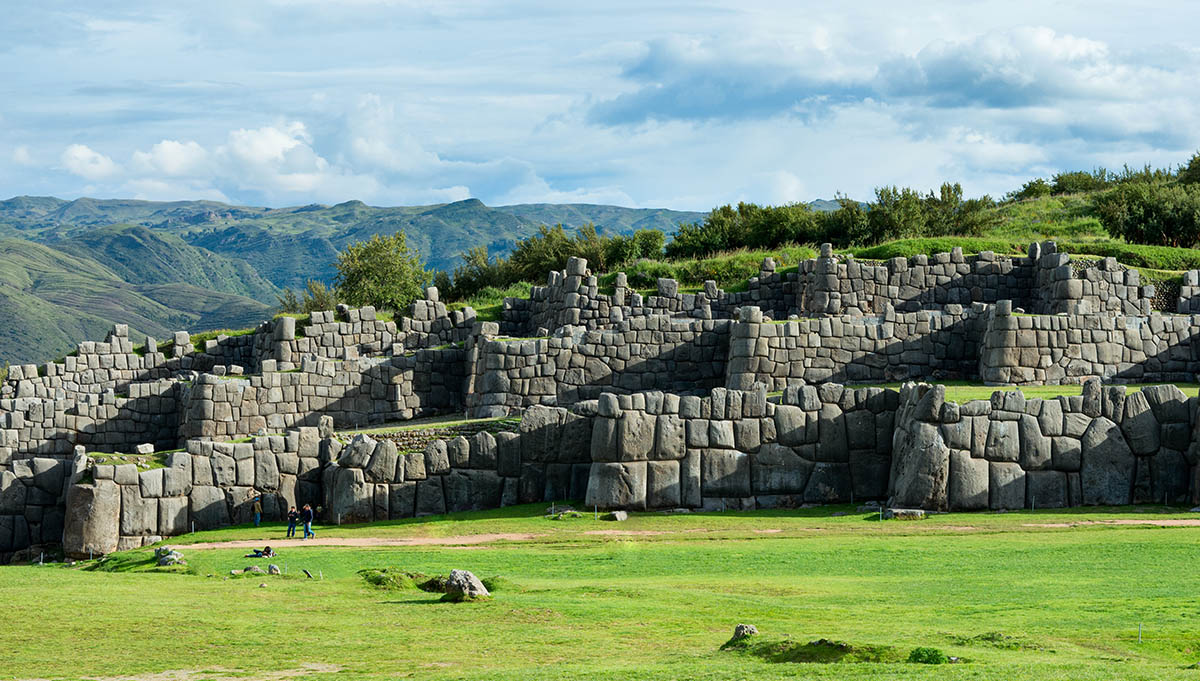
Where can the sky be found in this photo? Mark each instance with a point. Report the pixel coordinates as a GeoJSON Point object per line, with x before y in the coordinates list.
{"type": "Point", "coordinates": [642, 104]}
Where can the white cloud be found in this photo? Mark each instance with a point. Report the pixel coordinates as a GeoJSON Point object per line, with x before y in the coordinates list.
{"type": "Point", "coordinates": [21, 156]}
{"type": "Point", "coordinates": [172, 158]}
{"type": "Point", "coordinates": [87, 163]}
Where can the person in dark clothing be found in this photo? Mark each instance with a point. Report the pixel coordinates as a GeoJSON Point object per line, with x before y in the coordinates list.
{"type": "Point", "coordinates": [293, 517]}
{"type": "Point", "coordinates": [306, 517]}
{"type": "Point", "coordinates": [257, 508]}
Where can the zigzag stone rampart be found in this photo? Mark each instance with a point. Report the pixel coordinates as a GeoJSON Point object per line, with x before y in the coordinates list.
{"type": "Point", "coordinates": [626, 401]}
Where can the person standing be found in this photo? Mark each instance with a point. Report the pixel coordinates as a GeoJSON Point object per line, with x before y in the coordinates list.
{"type": "Point", "coordinates": [293, 516]}
{"type": "Point", "coordinates": [306, 516]}
{"type": "Point", "coordinates": [257, 510]}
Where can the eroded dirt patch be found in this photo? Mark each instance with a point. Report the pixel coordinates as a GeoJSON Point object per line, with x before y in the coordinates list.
{"type": "Point", "coordinates": [219, 674]}
{"type": "Point", "coordinates": [1162, 522]}
{"type": "Point", "coordinates": [468, 539]}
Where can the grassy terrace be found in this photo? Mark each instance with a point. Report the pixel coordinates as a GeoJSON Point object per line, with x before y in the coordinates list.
{"type": "Point", "coordinates": [1029, 595]}
{"type": "Point", "coordinates": [965, 391]}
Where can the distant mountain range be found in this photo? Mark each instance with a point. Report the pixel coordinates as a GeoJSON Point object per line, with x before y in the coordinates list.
{"type": "Point", "coordinates": [70, 269]}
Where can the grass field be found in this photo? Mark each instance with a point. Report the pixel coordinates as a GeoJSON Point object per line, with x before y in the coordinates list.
{"type": "Point", "coordinates": [1045, 595]}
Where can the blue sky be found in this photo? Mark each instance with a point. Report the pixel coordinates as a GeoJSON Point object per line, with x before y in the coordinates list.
{"type": "Point", "coordinates": [657, 104]}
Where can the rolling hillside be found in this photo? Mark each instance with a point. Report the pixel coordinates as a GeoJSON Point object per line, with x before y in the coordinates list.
{"type": "Point", "coordinates": [51, 300]}
{"type": "Point", "coordinates": [73, 268]}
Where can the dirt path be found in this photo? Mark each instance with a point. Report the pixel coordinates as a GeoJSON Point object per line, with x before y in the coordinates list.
{"type": "Point", "coordinates": [362, 541]}
{"type": "Point", "coordinates": [1162, 522]}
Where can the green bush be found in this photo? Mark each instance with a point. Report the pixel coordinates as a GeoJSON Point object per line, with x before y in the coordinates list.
{"type": "Point", "coordinates": [1036, 188]}
{"type": "Point", "coordinates": [382, 271]}
{"type": "Point", "coordinates": [927, 656]}
{"type": "Point", "coordinates": [1153, 214]}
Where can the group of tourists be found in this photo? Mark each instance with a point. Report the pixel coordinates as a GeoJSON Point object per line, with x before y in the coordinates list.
{"type": "Point", "coordinates": [305, 516]}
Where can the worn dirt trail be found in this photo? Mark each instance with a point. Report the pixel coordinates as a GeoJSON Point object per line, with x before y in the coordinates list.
{"type": "Point", "coordinates": [1162, 522]}
{"type": "Point", "coordinates": [469, 539]}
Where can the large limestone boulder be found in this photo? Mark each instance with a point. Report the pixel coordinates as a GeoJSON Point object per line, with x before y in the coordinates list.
{"type": "Point", "coordinates": [349, 499]}
{"type": "Point", "coordinates": [617, 485]}
{"type": "Point", "coordinates": [1106, 471]}
{"type": "Point", "coordinates": [968, 482]}
{"type": "Point", "coordinates": [776, 469]}
{"type": "Point", "coordinates": [1006, 485]}
{"type": "Point", "coordinates": [358, 453]}
{"type": "Point", "coordinates": [465, 586]}
{"type": "Point", "coordinates": [1139, 425]}
{"type": "Point", "coordinates": [921, 469]}
{"type": "Point", "coordinates": [92, 524]}
{"type": "Point", "coordinates": [725, 473]}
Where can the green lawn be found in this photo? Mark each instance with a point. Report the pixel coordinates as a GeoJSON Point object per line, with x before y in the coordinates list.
{"type": "Point", "coordinates": [1011, 597]}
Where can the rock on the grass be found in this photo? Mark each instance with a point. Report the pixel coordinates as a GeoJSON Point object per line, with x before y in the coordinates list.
{"type": "Point", "coordinates": [273, 569]}
{"type": "Point", "coordinates": [742, 631]}
{"type": "Point", "coordinates": [465, 586]}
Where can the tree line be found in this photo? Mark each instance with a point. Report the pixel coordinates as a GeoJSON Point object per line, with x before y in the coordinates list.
{"type": "Point", "coordinates": [1142, 206]}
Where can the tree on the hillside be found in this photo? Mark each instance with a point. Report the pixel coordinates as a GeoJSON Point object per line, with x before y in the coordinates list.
{"type": "Point", "coordinates": [382, 271]}
{"type": "Point", "coordinates": [315, 297]}
{"type": "Point", "coordinates": [1155, 214]}
{"type": "Point", "coordinates": [1190, 174]}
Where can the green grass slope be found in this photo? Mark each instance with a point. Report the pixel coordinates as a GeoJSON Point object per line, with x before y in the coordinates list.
{"type": "Point", "coordinates": [143, 256]}
{"type": "Point", "coordinates": [1025, 595]}
{"type": "Point", "coordinates": [52, 300]}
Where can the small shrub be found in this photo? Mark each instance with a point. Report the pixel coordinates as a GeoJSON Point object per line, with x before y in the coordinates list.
{"type": "Point", "coordinates": [392, 578]}
{"type": "Point", "coordinates": [924, 655]}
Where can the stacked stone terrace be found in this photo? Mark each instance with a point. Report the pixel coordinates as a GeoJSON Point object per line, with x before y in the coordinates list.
{"type": "Point", "coordinates": [630, 400]}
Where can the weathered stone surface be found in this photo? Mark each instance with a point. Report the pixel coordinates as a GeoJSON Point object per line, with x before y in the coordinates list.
{"type": "Point", "coordinates": [483, 451]}
{"type": "Point", "coordinates": [464, 586]}
{"type": "Point", "coordinates": [208, 507]}
{"type": "Point", "coordinates": [869, 473]}
{"type": "Point", "coordinates": [1065, 453]}
{"type": "Point", "coordinates": [358, 453]}
{"type": "Point", "coordinates": [617, 485]}
{"type": "Point", "coordinates": [776, 469]}
{"type": "Point", "coordinates": [150, 483]}
{"type": "Point", "coordinates": [92, 519]}
{"type": "Point", "coordinates": [382, 466]}
{"type": "Point", "coordinates": [172, 516]}
{"type": "Point", "coordinates": [431, 499]}
{"type": "Point", "coordinates": [1006, 485]}
{"type": "Point", "coordinates": [1139, 425]}
{"type": "Point", "coordinates": [1046, 489]}
{"type": "Point", "coordinates": [831, 429]}
{"type": "Point", "coordinates": [829, 483]}
{"type": "Point", "coordinates": [669, 441]}
{"type": "Point", "coordinates": [1035, 447]}
{"type": "Point", "coordinates": [472, 490]}
{"type": "Point", "coordinates": [689, 480]}
{"type": "Point", "coordinates": [725, 473]}
{"type": "Point", "coordinates": [458, 451]}
{"type": "Point", "coordinates": [1003, 442]}
{"type": "Point", "coordinates": [791, 424]}
{"type": "Point", "coordinates": [508, 454]}
{"type": "Point", "coordinates": [968, 482]}
{"type": "Point", "coordinates": [437, 460]}
{"type": "Point", "coordinates": [12, 494]}
{"type": "Point", "coordinates": [1106, 471]}
{"type": "Point", "coordinates": [921, 468]}
{"type": "Point", "coordinates": [266, 470]}
{"type": "Point", "coordinates": [348, 497]}
{"type": "Point", "coordinates": [138, 516]}
{"type": "Point", "coordinates": [662, 484]}
{"type": "Point", "coordinates": [402, 498]}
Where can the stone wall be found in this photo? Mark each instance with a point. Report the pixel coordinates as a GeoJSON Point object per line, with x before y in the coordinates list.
{"type": "Point", "coordinates": [1084, 286]}
{"type": "Point", "coordinates": [33, 426]}
{"type": "Point", "coordinates": [207, 486]}
{"type": "Point", "coordinates": [31, 502]}
{"type": "Point", "coordinates": [546, 459]}
{"type": "Point", "coordinates": [642, 353]}
{"type": "Point", "coordinates": [354, 392]}
{"type": "Point", "coordinates": [890, 347]}
{"type": "Point", "coordinates": [735, 450]}
{"type": "Point", "coordinates": [1105, 447]}
{"type": "Point", "coordinates": [1068, 348]}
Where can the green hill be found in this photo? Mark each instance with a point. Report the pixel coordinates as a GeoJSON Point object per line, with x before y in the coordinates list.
{"type": "Point", "coordinates": [51, 300]}
{"type": "Point", "coordinates": [287, 246]}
